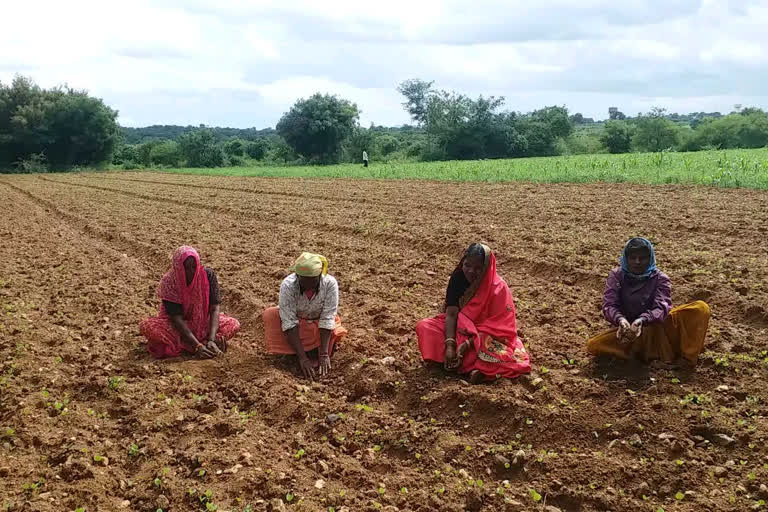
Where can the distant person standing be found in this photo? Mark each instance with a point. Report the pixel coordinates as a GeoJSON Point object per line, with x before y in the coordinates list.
{"type": "Point", "coordinates": [365, 159]}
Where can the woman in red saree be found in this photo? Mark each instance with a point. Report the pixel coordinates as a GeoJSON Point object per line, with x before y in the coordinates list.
{"type": "Point", "coordinates": [477, 334]}
{"type": "Point", "coordinates": [189, 318]}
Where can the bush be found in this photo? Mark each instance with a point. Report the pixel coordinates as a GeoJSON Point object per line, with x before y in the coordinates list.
{"type": "Point", "coordinates": [165, 153]}
{"type": "Point", "coordinates": [35, 163]}
{"type": "Point", "coordinates": [200, 149]}
{"type": "Point", "coordinates": [280, 152]}
{"type": "Point", "coordinates": [124, 154]}
{"type": "Point", "coordinates": [748, 129]}
{"type": "Point", "coordinates": [236, 161]}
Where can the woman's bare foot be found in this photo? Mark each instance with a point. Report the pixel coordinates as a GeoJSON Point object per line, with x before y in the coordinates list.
{"type": "Point", "coordinates": [661, 365]}
{"type": "Point", "coordinates": [476, 377]}
{"type": "Point", "coordinates": [685, 365]}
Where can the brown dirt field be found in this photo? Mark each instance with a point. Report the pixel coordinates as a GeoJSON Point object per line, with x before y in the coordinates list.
{"type": "Point", "coordinates": [82, 254]}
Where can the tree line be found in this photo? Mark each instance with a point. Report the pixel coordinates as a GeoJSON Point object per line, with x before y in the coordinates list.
{"type": "Point", "coordinates": [63, 128]}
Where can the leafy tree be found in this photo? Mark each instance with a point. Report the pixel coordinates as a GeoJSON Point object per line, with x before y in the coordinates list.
{"type": "Point", "coordinates": [360, 140]}
{"type": "Point", "coordinates": [127, 153]}
{"type": "Point", "coordinates": [280, 151]}
{"type": "Point", "coordinates": [144, 153]}
{"type": "Point", "coordinates": [316, 127]}
{"type": "Point", "coordinates": [386, 144]}
{"type": "Point", "coordinates": [556, 119]}
{"type": "Point", "coordinates": [166, 153]}
{"type": "Point", "coordinates": [741, 130]}
{"type": "Point", "coordinates": [617, 136]}
{"type": "Point", "coordinates": [200, 149]}
{"type": "Point", "coordinates": [256, 149]}
{"type": "Point", "coordinates": [172, 132]}
{"type": "Point", "coordinates": [417, 94]}
{"type": "Point", "coordinates": [68, 126]}
{"type": "Point", "coordinates": [614, 114]}
{"type": "Point", "coordinates": [235, 147]}
{"type": "Point", "coordinates": [654, 132]}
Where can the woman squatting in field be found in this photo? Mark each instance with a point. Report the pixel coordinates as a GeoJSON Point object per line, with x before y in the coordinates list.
{"type": "Point", "coordinates": [306, 322]}
{"type": "Point", "coordinates": [637, 301]}
{"type": "Point", "coordinates": [477, 333]}
{"type": "Point", "coordinates": [189, 318]}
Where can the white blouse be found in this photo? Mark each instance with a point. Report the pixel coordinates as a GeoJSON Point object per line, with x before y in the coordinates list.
{"type": "Point", "coordinates": [321, 307]}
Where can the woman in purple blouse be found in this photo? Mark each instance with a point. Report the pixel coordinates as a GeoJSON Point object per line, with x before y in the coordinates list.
{"type": "Point", "coordinates": [637, 302]}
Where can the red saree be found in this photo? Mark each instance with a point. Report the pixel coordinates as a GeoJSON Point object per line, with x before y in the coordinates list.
{"type": "Point", "coordinates": [486, 321]}
{"type": "Point", "coordinates": [163, 340]}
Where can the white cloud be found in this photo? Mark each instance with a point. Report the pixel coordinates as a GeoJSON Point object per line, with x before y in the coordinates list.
{"type": "Point", "coordinates": [244, 62]}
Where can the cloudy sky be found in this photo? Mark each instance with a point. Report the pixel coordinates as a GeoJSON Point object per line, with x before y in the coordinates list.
{"type": "Point", "coordinates": [243, 63]}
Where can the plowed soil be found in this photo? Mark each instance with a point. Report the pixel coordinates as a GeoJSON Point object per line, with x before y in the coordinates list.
{"type": "Point", "coordinates": [89, 420]}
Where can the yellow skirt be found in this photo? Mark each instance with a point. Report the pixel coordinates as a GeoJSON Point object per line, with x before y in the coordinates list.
{"type": "Point", "coordinates": [681, 335]}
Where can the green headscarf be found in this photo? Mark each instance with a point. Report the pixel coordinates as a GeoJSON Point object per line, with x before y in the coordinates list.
{"type": "Point", "coordinates": [310, 265]}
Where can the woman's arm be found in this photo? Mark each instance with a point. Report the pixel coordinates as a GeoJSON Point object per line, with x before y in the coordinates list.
{"type": "Point", "coordinates": [662, 302]}
{"type": "Point", "coordinates": [612, 299]}
{"type": "Point", "coordinates": [213, 323]}
{"type": "Point", "coordinates": [188, 338]}
{"type": "Point", "coordinates": [451, 319]}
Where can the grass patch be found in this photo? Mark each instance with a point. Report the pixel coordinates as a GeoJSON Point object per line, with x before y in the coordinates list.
{"type": "Point", "coordinates": [732, 168]}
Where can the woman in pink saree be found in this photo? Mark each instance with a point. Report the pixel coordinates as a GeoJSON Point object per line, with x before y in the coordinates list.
{"type": "Point", "coordinates": [477, 333]}
{"type": "Point", "coordinates": [189, 318]}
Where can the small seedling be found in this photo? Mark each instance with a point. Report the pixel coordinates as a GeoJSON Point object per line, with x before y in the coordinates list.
{"type": "Point", "coordinates": [133, 450]}
{"type": "Point", "coordinates": [114, 383]}
{"type": "Point", "coordinates": [299, 454]}
{"type": "Point", "coordinates": [289, 497]}
{"type": "Point", "coordinates": [534, 495]}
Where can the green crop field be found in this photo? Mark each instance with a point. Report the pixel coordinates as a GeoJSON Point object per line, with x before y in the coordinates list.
{"type": "Point", "coordinates": [732, 168]}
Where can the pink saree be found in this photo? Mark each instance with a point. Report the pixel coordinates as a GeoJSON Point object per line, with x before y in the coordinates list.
{"type": "Point", "coordinates": [487, 322]}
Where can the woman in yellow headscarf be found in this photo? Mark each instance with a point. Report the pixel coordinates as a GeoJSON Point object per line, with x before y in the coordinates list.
{"type": "Point", "coordinates": [306, 323]}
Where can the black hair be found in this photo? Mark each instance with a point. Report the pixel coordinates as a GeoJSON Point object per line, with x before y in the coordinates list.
{"type": "Point", "coordinates": [637, 245]}
{"type": "Point", "coordinates": [475, 251]}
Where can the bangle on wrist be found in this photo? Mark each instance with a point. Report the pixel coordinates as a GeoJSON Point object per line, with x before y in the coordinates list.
{"type": "Point", "coordinates": [451, 340]}
{"type": "Point", "coordinates": [324, 355]}
{"type": "Point", "coordinates": [198, 347]}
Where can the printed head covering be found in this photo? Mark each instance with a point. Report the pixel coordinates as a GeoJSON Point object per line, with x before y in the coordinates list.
{"type": "Point", "coordinates": [310, 265]}
{"type": "Point", "coordinates": [632, 245]}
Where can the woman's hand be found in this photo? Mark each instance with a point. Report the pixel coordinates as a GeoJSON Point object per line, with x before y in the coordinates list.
{"type": "Point", "coordinates": [213, 348]}
{"type": "Point", "coordinates": [203, 352]}
{"type": "Point", "coordinates": [325, 364]}
{"type": "Point", "coordinates": [624, 327]}
{"type": "Point", "coordinates": [221, 345]}
{"type": "Point", "coordinates": [450, 360]}
{"type": "Point", "coordinates": [306, 367]}
{"type": "Point", "coordinates": [636, 328]}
